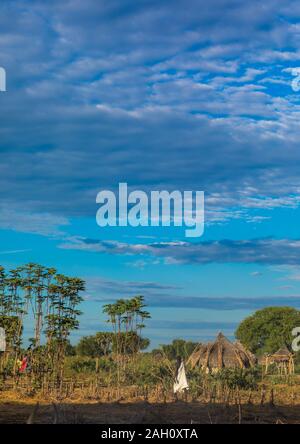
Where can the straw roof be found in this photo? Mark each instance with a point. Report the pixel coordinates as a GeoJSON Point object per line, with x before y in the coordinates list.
{"type": "Point", "coordinates": [252, 358]}
{"type": "Point", "coordinates": [282, 355]}
{"type": "Point", "coordinates": [219, 354]}
{"type": "Point", "coordinates": [283, 360]}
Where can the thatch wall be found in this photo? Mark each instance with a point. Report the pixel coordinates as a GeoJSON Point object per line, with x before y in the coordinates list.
{"type": "Point", "coordinates": [252, 358]}
{"type": "Point", "coordinates": [220, 354]}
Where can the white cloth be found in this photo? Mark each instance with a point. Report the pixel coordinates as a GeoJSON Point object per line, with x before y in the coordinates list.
{"type": "Point", "coordinates": [180, 383]}
{"type": "Point", "coordinates": [2, 340]}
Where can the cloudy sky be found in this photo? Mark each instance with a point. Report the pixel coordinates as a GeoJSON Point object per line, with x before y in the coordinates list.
{"type": "Point", "coordinates": [170, 95]}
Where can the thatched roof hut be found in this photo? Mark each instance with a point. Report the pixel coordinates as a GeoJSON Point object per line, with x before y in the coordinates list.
{"type": "Point", "coordinates": [283, 359]}
{"type": "Point", "coordinates": [219, 354]}
{"type": "Point", "coordinates": [252, 358]}
{"type": "Point", "coordinates": [282, 355]}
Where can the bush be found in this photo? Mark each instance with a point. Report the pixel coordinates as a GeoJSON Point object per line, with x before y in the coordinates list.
{"type": "Point", "coordinates": [147, 371]}
{"type": "Point", "coordinates": [244, 379]}
{"type": "Point", "coordinates": [83, 365]}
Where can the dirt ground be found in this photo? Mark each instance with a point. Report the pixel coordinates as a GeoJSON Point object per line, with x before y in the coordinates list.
{"type": "Point", "coordinates": [143, 412]}
{"type": "Point", "coordinates": [20, 407]}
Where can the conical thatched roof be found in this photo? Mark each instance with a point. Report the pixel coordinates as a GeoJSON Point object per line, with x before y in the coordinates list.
{"type": "Point", "coordinates": [219, 354]}
{"type": "Point", "coordinates": [283, 354]}
{"type": "Point", "coordinates": [252, 358]}
{"type": "Point", "coordinates": [283, 360]}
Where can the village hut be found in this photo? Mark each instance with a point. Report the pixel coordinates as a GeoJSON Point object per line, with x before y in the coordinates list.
{"type": "Point", "coordinates": [219, 354]}
{"type": "Point", "coordinates": [252, 358]}
{"type": "Point", "coordinates": [283, 360]}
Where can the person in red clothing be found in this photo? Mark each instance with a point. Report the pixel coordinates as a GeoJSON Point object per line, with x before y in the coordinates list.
{"type": "Point", "coordinates": [23, 365]}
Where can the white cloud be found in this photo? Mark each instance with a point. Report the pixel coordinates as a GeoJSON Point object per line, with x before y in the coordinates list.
{"type": "Point", "coordinates": [35, 223]}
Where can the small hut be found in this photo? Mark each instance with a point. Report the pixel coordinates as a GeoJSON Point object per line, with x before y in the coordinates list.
{"type": "Point", "coordinates": [219, 354]}
{"type": "Point", "coordinates": [284, 361]}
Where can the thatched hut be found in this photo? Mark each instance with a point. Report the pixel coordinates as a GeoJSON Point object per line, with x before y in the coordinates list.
{"type": "Point", "coordinates": [219, 354]}
{"type": "Point", "coordinates": [252, 358]}
{"type": "Point", "coordinates": [283, 359]}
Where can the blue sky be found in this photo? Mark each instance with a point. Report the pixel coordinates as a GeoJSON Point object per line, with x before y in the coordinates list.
{"type": "Point", "coordinates": [168, 95]}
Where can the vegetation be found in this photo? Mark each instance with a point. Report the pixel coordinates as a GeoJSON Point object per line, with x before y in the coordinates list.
{"type": "Point", "coordinates": [104, 344]}
{"type": "Point", "coordinates": [127, 318]}
{"type": "Point", "coordinates": [117, 359]}
{"type": "Point", "coordinates": [268, 329]}
{"type": "Point", "coordinates": [95, 346]}
{"type": "Point", "coordinates": [178, 347]}
{"type": "Point", "coordinates": [51, 300]}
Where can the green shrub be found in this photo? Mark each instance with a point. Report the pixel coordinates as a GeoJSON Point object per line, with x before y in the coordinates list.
{"type": "Point", "coordinates": [244, 379]}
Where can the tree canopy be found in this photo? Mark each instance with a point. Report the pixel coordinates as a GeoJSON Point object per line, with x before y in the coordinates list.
{"type": "Point", "coordinates": [96, 345]}
{"type": "Point", "coordinates": [178, 347]}
{"type": "Point", "coordinates": [268, 329]}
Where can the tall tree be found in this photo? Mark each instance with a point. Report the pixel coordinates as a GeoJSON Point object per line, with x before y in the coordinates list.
{"type": "Point", "coordinates": [268, 329]}
{"type": "Point", "coordinates": [52, 302]}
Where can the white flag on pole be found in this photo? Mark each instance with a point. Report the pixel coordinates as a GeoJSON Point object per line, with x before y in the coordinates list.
{"type": "Point", "coordinates": [2, 340]}
{"type": "Point", "coordinates": [181, 383]}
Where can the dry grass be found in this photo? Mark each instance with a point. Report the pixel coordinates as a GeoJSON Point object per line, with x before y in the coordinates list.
{"type": "Point", "coordinates": [111, 407]}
